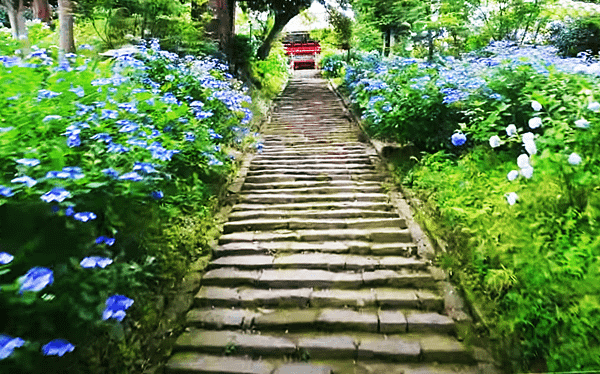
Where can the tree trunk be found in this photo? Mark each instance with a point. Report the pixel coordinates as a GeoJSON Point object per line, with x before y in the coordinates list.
{"type": "Point", "coordinates": [281, 19]}
{"type": "Point", "coordinates": [15, 16]}
{"type": "Point", "coordinates": [41, 10]}
{"type": "Point", "coordinates": [65, 18]}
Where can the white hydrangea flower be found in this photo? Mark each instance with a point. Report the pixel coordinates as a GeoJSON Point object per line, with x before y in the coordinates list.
{"type": "Point", "coordinates": [530, 147]}
{"type": "Point", "coordinates": [495, 141]}
{"type": "Point", "coordinates": [527, 172]}
{"type": "Point", "coordinates": [594, 106]}
{"type": "Point", "coordinates": [582, 123]}
{"type": "Point", "coordinates": [535, 122]}
{"type": "Point", "coordinates": [511, 130]}
{"type": "Point", "coordinates": [536, 106]}
{"type": "Point", "coordinates": [574, 159]}
{"type": "Point", "coordinates": [511, 198]}
{"type": "Point", "coordinates": [512, 175]}
{"type": "Point", "coordinates": [523, 161]}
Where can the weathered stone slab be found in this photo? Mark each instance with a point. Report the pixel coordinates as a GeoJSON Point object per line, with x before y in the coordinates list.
{"type": "Point", "coordinates": [402, 249]}
{"type": "Point", "coordinates": [429, 322]}
{"type": "Point", "coordinates": [399, 262]}
{"type": "Point", "coordinates": [205, 341]}
{"type": "Point", "coordinates": [303, 368]}
{"type": "Point", "coordinates": [311, 261]}
{"type": "Point", "coordinates": [230, 277]}
{"type": "Point", "coordinates": [391, 349]}
{"type": "Point", "coordinates": [396, 298]}
{"type": "Point", "coordinates": [286, 319]}
{"type": "Point", "coordinates": [217, 296]}
{"type": "Point", "coordinates": [445, 349]}
{"type": "Point", "coordinates": [239, 249]}
{"type": "Point", "coordinates": [340, 298]}
{"type": "Point", "coordinates": [379, 278]}
{"type": "Point", "coordinates": [391, 321]}
{"type": "Point", "coordinates": [354, 262]}
{"type": "Point", "coordinates": [244, 262]}
{"type": "Point", "coordinates": [290, 278]}
{"type": "Point", "coordinates": [253, 225]}
{"type": "Point", "coordinates": [430, 301]}
{"type": "Point", "coordinates": [256, 345]}
{"type": "Point", "coordinates": [328, 347]}
{"type": "Point", "coordinates": [218, 318]}
{"type": "Point", "coordinates": [347, 319]}
{"type": "Point", "coordinates": [199, 363]}
{"type": "Point", "coordinates": [390, 235]}
{"type": "Point", "coordinates": [275, 297]}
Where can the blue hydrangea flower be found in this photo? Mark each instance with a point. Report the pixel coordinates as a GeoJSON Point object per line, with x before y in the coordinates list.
{"type": "Point", "coordinates": [157, 195]}
{"type": "Point", "coordinates": [8, 344]}
{"type": "Point", "coordinates": [104, 239]}
{"type": "Point", "coordinates": [146, 167]}
{"type": "Point", "coordinates": [117, 148]}
{"type": "Point", "coordinates": [111, 172]}
{"type": "Point", "coordinates": [137, 142]}
{"type": "Point", "coordinates": [52, 117]}
{"type": "Point", "coordinates": [127, 126]}
{"type": "Point", "coordinates": [57, 194]}
{"type": "Point", "coordinates": [68, 172]}
{"type": "Point", "coordinates": [458, 139]}
{"type": "Point", "coordinates": [203, 114]}
{"type": "Point", "coordinates": [30, 182]}
{"type": "Point", "coordinates": [78, 91]}
{"type": "Point", "coordinates": [6, 191]}
{"type": "Point", "coordinates": [57, 347]}
{"type": "Point", "coordinates": [131, 176]}
{"type": "Point", "coordinates": [28, 161]}
{"type": "Point", "coordinates": [47, 94]}
{"type": "Point", "coordinates": [116, 306]}
{"type": "Point", "coordinates": [36, 279]}
{"type": "Point", "coordinates": [108, 113]}
{"type": "Point", "coordinates": [190, 137]}
{"type": "Point", "coordinates": [130, 107]}
{"type": "Point", "coordinates": [102, 136]}
{"type": "Point", "coordinates": [84, 216]}
{"type": "Point", "coordinates": [69, 211]}
{"type": "Point", "coordinates": [5, 258]}
{"type": "Point", "coordinates": [95, 262]}
{"type": "Point", "coordinates": [73, 140]}
{"type": "Point", "coordinates": [214, 135]}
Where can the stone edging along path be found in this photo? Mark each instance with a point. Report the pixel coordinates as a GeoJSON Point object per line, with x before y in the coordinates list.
{"type": "Point", "coordinates": [319, 269]}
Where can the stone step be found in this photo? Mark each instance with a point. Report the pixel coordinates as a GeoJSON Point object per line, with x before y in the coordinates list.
{"type": "Point", "coordinates": [278, 178]}
{"type": "Point", "coordinates": [327, 205]}
{"type": "Point", "coordinates": [310, 214]}
{"type": "Point", "coordinates": [384, 298]}
{"type": "Point", "coordinates": [308, 158]}
{"type": "Point", "coordinates": [370, 347]}
{"type": "Point", "coordinates": [318, 190]}
{"type": "Point", "coordinates": [366, 169]}
{"type": "Point", "coordinates": [298, 278]}
{"type": "Point", "coordinates": [199, 363]}
{"type": "Point", "coordinates": [340, 161]}
{"type": "Point", "coordinates": [287, 198]}
{"type": "Point", "coordinates": [307, 184]}
{"type": "Point", "coordinates": [320, 166]}
{"type": "Point", "coordinates": [324, 261]}
{"type": "Point", "coordinates": [322, 319]}
{"type": "Point", "coordinates": [342, 246]}
{"type": "Point", "coordinates": [324, 150]}
{"type": "Point", "coordinates": [264, 224]}
{"type": "Point", "coordinates": [377, 235]}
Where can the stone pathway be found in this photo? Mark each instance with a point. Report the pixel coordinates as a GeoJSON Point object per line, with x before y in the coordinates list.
{"type": "Point", "coordinates": [316, 271]}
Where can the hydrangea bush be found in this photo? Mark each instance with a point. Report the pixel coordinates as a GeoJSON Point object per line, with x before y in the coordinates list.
{"type": "Point", "coordinates": [513, 171]}
{"type": "Point", "coordinates": [95, 155]}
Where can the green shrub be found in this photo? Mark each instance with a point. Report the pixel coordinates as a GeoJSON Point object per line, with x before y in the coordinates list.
{"type": "Point", "coordinates": [582, 35]}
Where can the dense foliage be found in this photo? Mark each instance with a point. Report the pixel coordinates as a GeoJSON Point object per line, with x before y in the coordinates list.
{"type": "Point", "coordinates": [510, 183]}
{"type": "Point", "coordinates": [113, 204]}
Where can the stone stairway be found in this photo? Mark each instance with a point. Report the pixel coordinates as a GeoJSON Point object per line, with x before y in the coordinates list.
{"type": "Point", "coordinates": [316, 271]}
